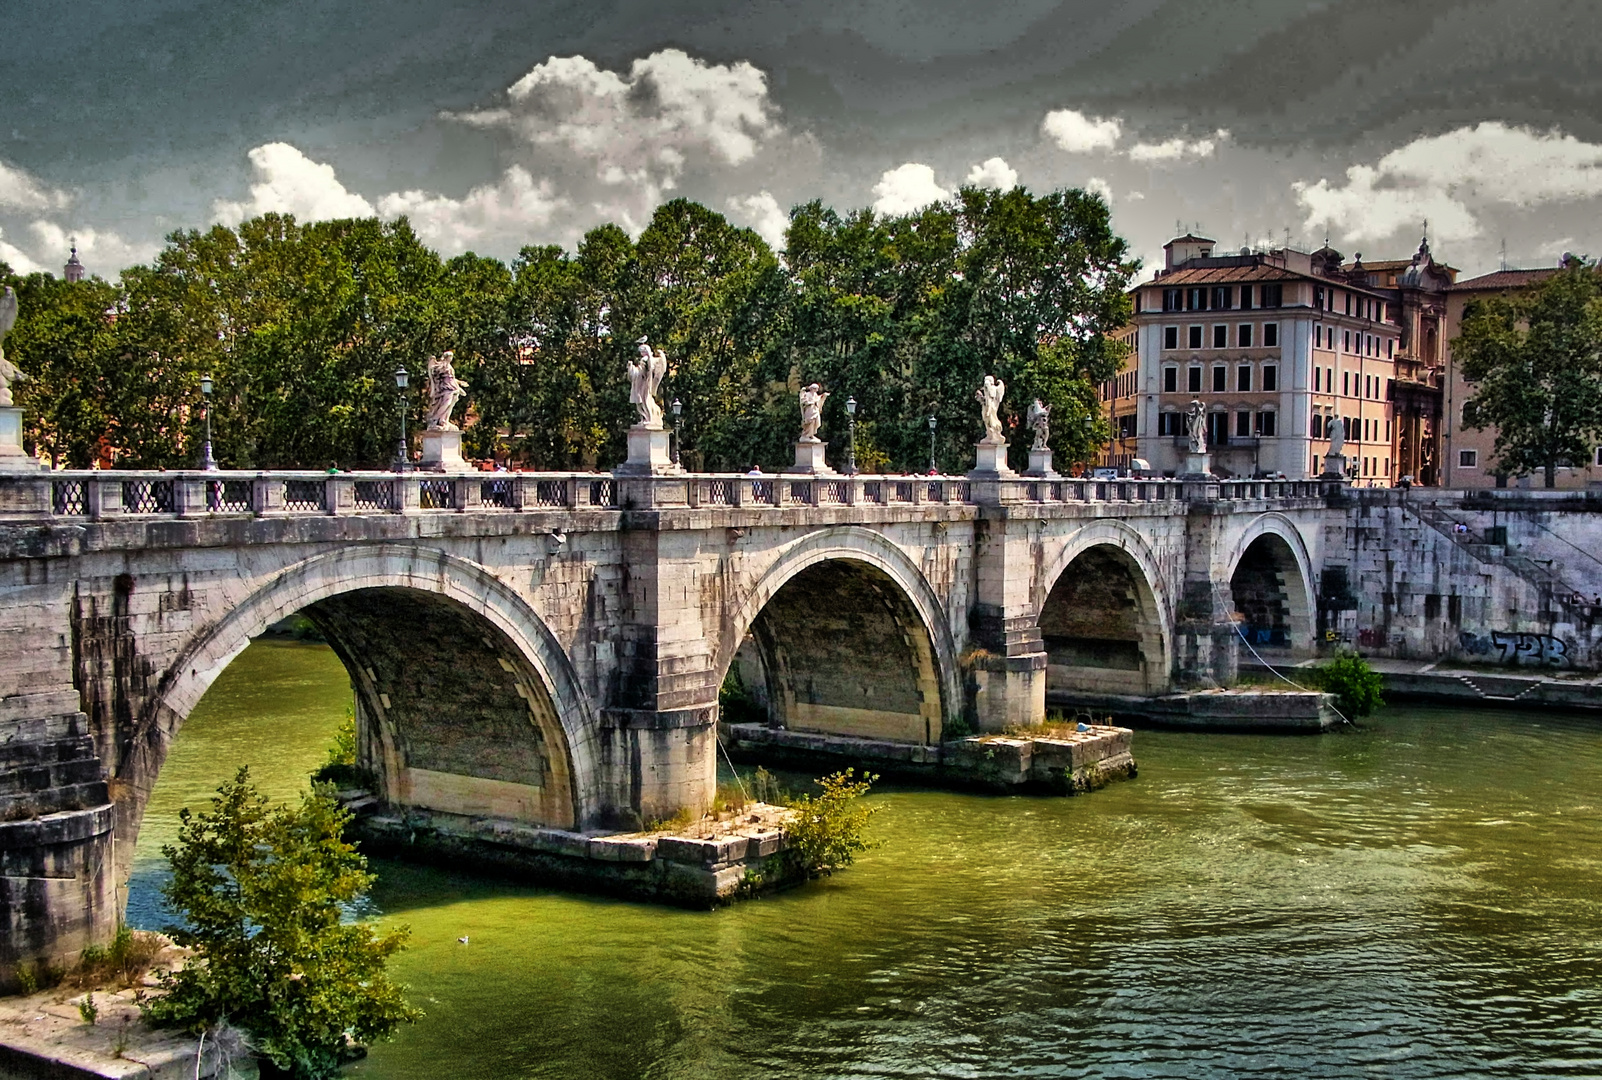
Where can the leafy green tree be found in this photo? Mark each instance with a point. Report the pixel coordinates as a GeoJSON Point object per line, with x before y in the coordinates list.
{"type": "Point", "coordinates": [829, 830]}
{"type": "Point", "coordinates": [261, 890]}
{"type": "Point", "coordinates": [1358, 688]}
{"type": "Point", "coordinates": [66, 341]}
{"type": "Point", "coordinates": [1535, 359]}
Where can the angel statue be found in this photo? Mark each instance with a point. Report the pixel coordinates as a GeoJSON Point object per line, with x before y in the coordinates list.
{"type": "Point", "coordinates": [1196, 426]}
{"type": "Point", "coordinates": [812, 399]}
{"type": "Point", "coordinates": [645, 375]}
{"type": "Point", "coordinates": [1335, 432]}
{"type": "Point", "coordinates": [8, 371]}
{"type": "Point", "coordinates": [1039, 419]}
{"type": "Point", "coordinates": [990, 395]}
{"type": "Point", "coordinates": [444, 391]}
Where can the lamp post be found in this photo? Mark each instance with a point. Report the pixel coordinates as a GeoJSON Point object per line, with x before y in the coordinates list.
{"type": "Point", "coordinates": [851, 436]}
{"type": "Point", "coordinates": [207, 462]}
{"type": "Point", "coordinates": [933, 471]}
{"type": "Point", "coordinates": [402, 458]}
{"type": "Point", "coordinates": [678, 442]}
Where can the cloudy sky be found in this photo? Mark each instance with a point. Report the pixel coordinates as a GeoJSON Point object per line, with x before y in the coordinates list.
{"type": "Point", "coordinates": [496, 123]}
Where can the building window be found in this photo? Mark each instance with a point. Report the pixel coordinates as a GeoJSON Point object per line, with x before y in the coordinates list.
{"type": "Point", "coordinates": [1245, 297]}
{"type": "Point", "coordinates": [1243, 425]}
{"type": "Point", "coordinates": [1193, 382]}
{"type": "Point", "coordinates": [1245, 335]}
{"type": "Point", "coordinates": [1390, 348]}
{"type": "Point", "coordinates": [1318, 335]}
{"type": "Point", "coordinates": [1170, 380]}
{"type": "Point", "coordinates": [1220, 337]}
{"type": "Point", "coordinates": [1173, 299]}
{"type": "Point", "coordinates": [1468, 459]}
{"type": "Point", "coordinates": [1195, 337]}
{"type": "Point", "coordinates": [1223, 297]}
{"type": "Point", "coordinates": [1273, 295]}
{"type": "Point", "coordinates": [1348, 303]}
{"type": "Point", "coordinates": [1346, 341]}
{"type": "Point", "coordinates": [1220, 379]}
{"type": "Point", "coordinates": [1318, 379]}
{"type": "Point", "coordinates": [1168, 423]}
{"type": "Point", "coordinates": [1270, 335]}
{"type": "Point", "coordinates": [1243, 377]}
{"type": "Point", "coordinates": [1197, 299]}
{"type": "Point", "coordinates": [1318, 296]}
{"type": "Point", "coordinates": [1217, 428]}
{"type": "Point", "coordinates": [1270, 376]}
{"type": "Point", "coordinates": [1170, 337]}
{"type": "Point", "coordinates": [1329, 380]}
{"type": "Point", "coordinates": [1318, 425]}
{"type": "Point", "coordinates": [1266, 424]}
{"type": "Point", "coordinates": [1346, 384]}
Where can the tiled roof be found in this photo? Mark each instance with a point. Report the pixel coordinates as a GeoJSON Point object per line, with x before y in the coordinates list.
{"type": "Point", "coordinates": [1189, 238]}
{"type": "Point", "coordinates": [1387, 264]}
{"type": "Point", "coordinates": [1218, 275]}
{"type": "Point", "coordinates": [1505, 279]}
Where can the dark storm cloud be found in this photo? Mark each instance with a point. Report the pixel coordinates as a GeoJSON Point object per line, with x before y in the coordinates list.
{"type": "Point", "coordinates": [148, 109]}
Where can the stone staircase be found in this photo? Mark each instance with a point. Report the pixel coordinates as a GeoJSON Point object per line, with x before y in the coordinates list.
{"type": "Point", "coordinates": [1553, 589]}
{"type": "Point", "coordinates": [1496, 687]}
{"type": "Point", "coordinates": [48, 762]}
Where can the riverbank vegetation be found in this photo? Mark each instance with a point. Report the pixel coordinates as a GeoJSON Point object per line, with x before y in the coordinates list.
{"type": "Point", "coordinates": [1357, 686]}
{"type": "Point", "coordinates": [260, 893]}
{"type": "Point", "coordinates": [301, 327]}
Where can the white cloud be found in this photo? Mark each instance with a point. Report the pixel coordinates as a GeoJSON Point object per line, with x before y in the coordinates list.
{"type": "Point", "coordinates": [1177, 149]}
{"type": "Point", "coordinates": [993, 173]}
{"type": "Point", "coordinates": [1080, 134]}
{"type": "Point", "coordinates": [101, 251]}
{"type": "Point", "coordinates": [19, 261]}
{"type": "Point", "coordinates": [907, 188]}
{"type": "Point", "coordinates": [1097, 186]}
{"type": "Point", "coordinates": [516, 204]}
{"type": "Point", "coordinates": [20, 191]}
{"type": "Point", "coordinates": [645, 127]}
{"type": "Point", "coordinates": [1449, 178]}
{"type": "Point", "coordinates": [763, 213]}
{"type": "Point", "coordinates": [289, 182]}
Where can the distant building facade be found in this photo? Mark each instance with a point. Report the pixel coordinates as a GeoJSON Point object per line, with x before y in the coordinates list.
{"type": "Point", "coordinates": [1276, 344]}
{"type": "Point", "coordinates": [1471, 454]}
{"type": "Point", "coordinates": [1120, 404]}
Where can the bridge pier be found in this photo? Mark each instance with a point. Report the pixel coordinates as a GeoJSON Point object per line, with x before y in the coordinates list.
{"type": "Point", "coordinates": [1006, 665]}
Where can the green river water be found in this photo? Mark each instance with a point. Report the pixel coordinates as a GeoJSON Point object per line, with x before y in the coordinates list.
{"type": "Point", "coordinates": [1419, 898]}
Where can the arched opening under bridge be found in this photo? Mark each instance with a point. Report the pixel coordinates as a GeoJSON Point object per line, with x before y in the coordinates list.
{"type": "Point", "coordinates": [1102, 627]}
{"type": "Point", "coordinates": [1270, 594]}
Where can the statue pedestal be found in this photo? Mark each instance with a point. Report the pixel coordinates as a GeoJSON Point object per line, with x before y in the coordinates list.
{"type": "Point", "coordinates": [12, 456]}
{"type": "Point", "coordinates": [648, 453]}
{"type": "Point", "coordinates": [1040, 464]}
{"type": "Point", "coordinates": [1198, 467]}
{"type": "Point", "coordinates": [442, 452]}
{"type": "Point", "coordinates": [809, 458]}
{"type": "Point", "coordinates": [1334, 467]}
{"type": "Point", "coordinates": [990, 460]}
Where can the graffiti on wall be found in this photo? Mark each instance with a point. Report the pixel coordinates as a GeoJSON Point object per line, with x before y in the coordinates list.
{"type": "Point", "coordinates": [1519, 649]}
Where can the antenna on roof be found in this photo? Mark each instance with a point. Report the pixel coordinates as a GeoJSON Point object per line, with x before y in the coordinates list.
{"type": "Point", "coordinates": [1504, 253]}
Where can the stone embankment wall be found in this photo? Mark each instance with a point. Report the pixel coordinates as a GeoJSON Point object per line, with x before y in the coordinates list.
{"type": "Point", "coordinates": [1501, 578]}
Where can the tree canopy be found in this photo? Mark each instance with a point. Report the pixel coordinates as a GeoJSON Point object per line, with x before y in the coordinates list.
{"type": "Point", "coordinates": [301, 328]}
{"type": "Point", "coordinates": [1535, 360]}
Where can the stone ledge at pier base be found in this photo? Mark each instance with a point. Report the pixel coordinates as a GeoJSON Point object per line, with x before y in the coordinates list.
{"type": "Point", "coordinates": [1056, 762]}
{"type": "Point", "coordinates": [704, 866]}
{"type": "Point", "coordinates": [1243, 710]}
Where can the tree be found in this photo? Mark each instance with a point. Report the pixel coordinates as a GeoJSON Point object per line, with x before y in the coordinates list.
{"type": "Point", "coordinates": [67, 343]}
{"type": "Point", "coordinates": [1535, 358]}
{"type": "Point", "coordinates": [260, 890]}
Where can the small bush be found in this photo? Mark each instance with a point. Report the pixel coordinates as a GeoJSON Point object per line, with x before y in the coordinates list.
{"type": "Point", "coordinates": [122, 963]}
{"type": "Point", "coordinates": [766, 788]}
{"type": "Point", "coordinates": [88, 1010]}
{"type": "Point", "coordinates": [736, 703]}
{"type": "Point", "coordinates": [1356, 686]}
{"type": "Point", "coordinates": [340, 767]}
{"type": "Point", "coordinates": [828, 830]}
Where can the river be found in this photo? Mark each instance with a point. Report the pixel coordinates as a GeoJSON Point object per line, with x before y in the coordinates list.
{"type": "Point", "coordinates": [1418, 898]}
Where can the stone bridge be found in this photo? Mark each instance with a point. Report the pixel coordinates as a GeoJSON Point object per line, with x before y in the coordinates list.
{"type": "Point", "coordinates": [550, 648]}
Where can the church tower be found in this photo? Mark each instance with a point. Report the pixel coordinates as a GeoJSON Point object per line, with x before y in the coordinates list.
{"type": "Point", "coordinates": [74, 269]}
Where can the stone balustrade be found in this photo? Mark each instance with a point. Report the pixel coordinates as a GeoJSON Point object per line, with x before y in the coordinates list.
{"type": "Point", "coordinates": [97, 495]}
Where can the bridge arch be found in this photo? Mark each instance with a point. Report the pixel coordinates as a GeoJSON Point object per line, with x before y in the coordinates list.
{"type": "Point", "coordinates": [846, 635]}
{"type": "Point", "coordinates": [1270, 576]}
{"type": "Point", "coordinates": [439, 650]}
{"type": "Point", "coordinates": [1104, 616]}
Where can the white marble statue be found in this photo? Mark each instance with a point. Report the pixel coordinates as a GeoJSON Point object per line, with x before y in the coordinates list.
{"type": "Point", "coordinates": [444, 391]}
{"type": "Point", "coordinates": [1335, 431]}
{"type": "Point", "coordinates": [812, 399]}
{"type": "Point", "coordinates": [8, 371]}
{"type": "Point", "coordinates": [1196, 426]}
{"type": "Point", "coordinates": [645, 375]}
{"type": "Point", "coordinates": [1039, 418]}
{"type": "Point", "coordinates": [990, 395]}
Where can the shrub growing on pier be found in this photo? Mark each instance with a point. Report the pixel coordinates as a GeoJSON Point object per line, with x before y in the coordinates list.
{"type": "Point", "coordinates": [828, 831]}
{"type": "Point", "coordinates": [261, 890]}
{"type": "Point", "coordinates": [1356, 686]}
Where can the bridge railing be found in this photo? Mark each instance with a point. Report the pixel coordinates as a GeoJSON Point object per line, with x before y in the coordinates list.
{"type": "Point", "coordinates": [102, 494]}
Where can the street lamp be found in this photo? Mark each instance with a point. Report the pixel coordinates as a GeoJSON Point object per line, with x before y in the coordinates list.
{"type": "Point", "coordinates": [933, 471]}
{"type": "Point", "coordinates": [678, 441]}
{"type": "Point", "coordinates": [207, 462]}
{"type": "Point", "coordinates": [851, 436]}
{"type": "Point", "coordinates": [402, 458]}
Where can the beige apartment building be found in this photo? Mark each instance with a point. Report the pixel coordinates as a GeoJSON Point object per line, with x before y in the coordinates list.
{"type": "Point", "coordinates": [1275, 345]}
{"type": "Point", "coordinates": [1471, 455]}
